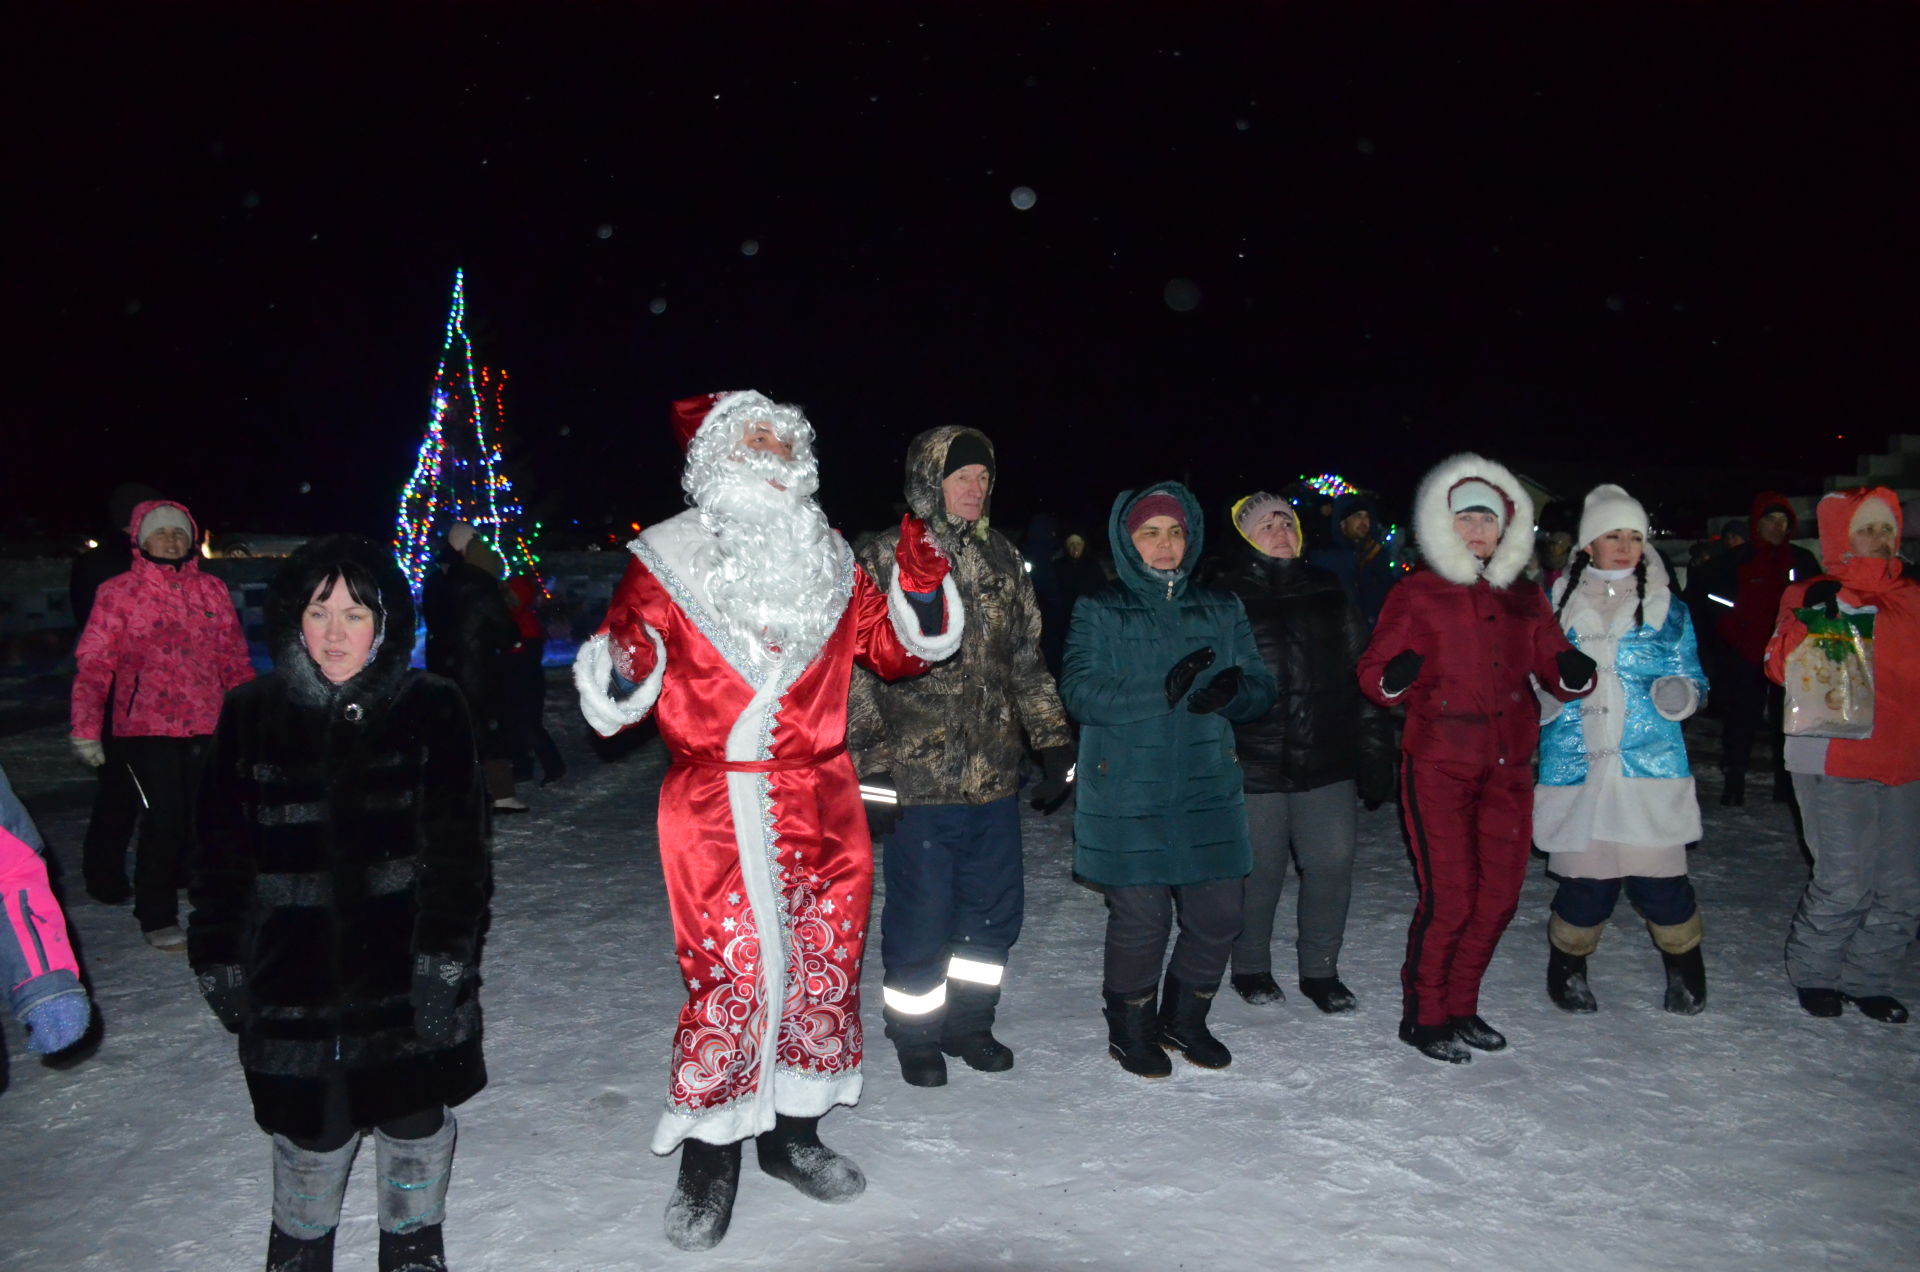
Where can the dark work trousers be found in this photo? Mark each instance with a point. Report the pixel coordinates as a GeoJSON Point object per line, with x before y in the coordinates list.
{"type": "Point", "coordinates": [338, 1129]}
{"type": "Point", "coordinates": [116, 811]}
{"type": "Point", "coordinates": [1667, 901]}
{"type": "Point", "coordinates": [167, 772]}
{"type": "Point", "coordinates": [956, 894]}
{"type": "Point", "coordinates": [1319, 826]}
{"type": "Point", "coordinates": [1469, 827]}
{"type": "Point", "coordinates": [526, 691]}
{"type": "Point", "coordinates": [1749, 703]}
{"type": "Point", "coordinates": [1139, 918]}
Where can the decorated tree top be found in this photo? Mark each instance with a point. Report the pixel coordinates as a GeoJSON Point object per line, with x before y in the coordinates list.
{"type": "Point", "coordinates": [458, 474]}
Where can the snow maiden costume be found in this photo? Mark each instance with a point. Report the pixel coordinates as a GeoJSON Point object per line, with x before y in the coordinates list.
{"type": "Point", "coordinates": [1457, 642]}
{"type": "Point", "coordinates": [1615, 801]}
{"type": "Point", "coordinates": [339, 890]}
{"type": "Point", "coordinates": [737, 626]}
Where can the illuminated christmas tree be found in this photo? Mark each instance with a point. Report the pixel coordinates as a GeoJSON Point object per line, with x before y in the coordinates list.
{"type": "Point", "coordinates": [458, 474]}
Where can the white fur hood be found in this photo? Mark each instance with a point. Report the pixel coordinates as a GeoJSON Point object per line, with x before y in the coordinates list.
{"type": "Point", "coordinates": [1443, 550]}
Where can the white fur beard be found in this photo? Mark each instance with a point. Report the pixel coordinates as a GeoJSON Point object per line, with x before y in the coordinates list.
{"type": "Point", "coordinates": [772, 566]}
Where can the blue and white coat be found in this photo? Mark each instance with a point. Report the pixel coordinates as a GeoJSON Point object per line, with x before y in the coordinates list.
{"type": "Point", "coordinates": [1615, 795]}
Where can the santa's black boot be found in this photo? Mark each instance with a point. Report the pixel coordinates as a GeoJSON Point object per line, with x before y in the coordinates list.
{"type": "Point", "coordinates": [1133, 1035]}
{"type": "Point", "coordinates": [1679, 947]}
{"type": "Point", "coordinates": [968, 1032]}
{"type": "Point", "coordinates": [1183, 1024]}
{"type": "Point", "coordinates": [1567, 950]}
{"type": "Point", "coordinates": [702, 1203]}
{"type": "Point", "coordinates": [792, 1151]}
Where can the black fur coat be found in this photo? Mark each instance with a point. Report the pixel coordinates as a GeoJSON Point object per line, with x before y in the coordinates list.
{"type": "Point", "coordinates": [342, 832]}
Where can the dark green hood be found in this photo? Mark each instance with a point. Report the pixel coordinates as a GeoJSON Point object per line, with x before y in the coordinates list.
{"type": "Point", "coordinates": [1127, 563]}
{"type": "Point", "coordinates": [926, 457]}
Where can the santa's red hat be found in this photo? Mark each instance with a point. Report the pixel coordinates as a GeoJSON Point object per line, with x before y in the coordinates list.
{"type": "Point", "coordinates": [690, 413]}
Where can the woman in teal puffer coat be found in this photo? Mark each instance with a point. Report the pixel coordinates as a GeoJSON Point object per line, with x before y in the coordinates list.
{"type": "Point", "coordinates": [1157, 671]}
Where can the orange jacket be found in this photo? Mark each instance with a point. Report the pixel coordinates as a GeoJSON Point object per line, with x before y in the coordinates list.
{"type": "Point", "coordinates": [1892, 754]}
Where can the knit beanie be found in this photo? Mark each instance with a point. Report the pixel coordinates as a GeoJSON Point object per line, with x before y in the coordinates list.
{"type": "Point", "coordinates": [967, 448]}
{"type": "Point", "coordinates": [166, 516]}
{"type": "Point", "coordinates": [1476, 494]}
{"type": "Point", "coordinates": [1608, 508]}
{"type": "Point", "coordinates": [1158, 504]}
{"type": "Point", "coordinates": [459, 535]}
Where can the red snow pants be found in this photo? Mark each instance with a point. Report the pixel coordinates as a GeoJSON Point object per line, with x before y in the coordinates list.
{"type": "Point", "coordinates": [1469, 827]}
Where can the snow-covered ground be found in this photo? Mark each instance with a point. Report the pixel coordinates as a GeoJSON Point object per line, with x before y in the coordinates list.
{"type": "Point", "coordinates": [1749, 1137]}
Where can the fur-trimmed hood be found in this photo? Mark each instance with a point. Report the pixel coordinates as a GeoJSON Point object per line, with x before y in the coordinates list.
{"type": "Point", "coordinates": [1442, 549]}
{"type": "Point", "coordinates": [287, 600]}
{"type": "Point", "coordinates": [926, 457]}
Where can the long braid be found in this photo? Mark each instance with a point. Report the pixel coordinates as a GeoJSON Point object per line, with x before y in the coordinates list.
{"type": "Point", "coordinates": [1640, 593]}
{"type": "Point", "coordinates": [1574, 572]}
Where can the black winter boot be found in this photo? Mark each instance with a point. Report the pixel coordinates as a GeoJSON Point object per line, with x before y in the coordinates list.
{"type": "Point", "coordinates": [792, 1151]}
{"type": "Point", "coordinates": [1822, 1002]}
{"type": "Point", "coordinates": [1686, 982]}
{"type": "Point", "coordinates": [1133, 1037]}
{"type": "Point", "coordinates": [290, 1254]}
{"type": "Point", "coordinates": [1478, 1034]}
{"type": "Point", "coordinates": [1567, 982]}
{"type": "Point", "coordinates": [968, 1032]}
{"type": "Point", "coordinates": [1884, 1008]}
{"type": "Point", "coordinates": [421, 1250]}
{"type": "Point", "coordinates": [1183, 1024]}
{"type": "Point", "coordinates": [702, 1203]}
{"type": "Point", "coordinates": [1733, 792]}
{"type": "Point", "coordinates": [1257, 987]}
{"type": "Point", "coordinates": [1435, 1041]}
{"type": "Point", "coordinates": [1328, 994]}
{"type": "Point", "coordinates": [917, 1040]}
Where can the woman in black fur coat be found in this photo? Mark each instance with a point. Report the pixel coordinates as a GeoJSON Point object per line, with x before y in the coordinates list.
{"type": "Point", "coordinates": [339, 893]}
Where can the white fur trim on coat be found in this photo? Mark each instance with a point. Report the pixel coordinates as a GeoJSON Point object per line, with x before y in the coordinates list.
{"type": "Point", "coordinates": [906, 624]}
{"type": "Point", "coordinates": [593, 676]}
{"type": "Point", "coordinates": [1443, 550]}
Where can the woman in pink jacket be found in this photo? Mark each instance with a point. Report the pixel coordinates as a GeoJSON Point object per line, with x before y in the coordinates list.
{"type": "Point", "coordinates": [164, 641]}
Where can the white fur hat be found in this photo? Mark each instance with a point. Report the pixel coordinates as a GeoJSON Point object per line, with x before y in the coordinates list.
{"type": "Point", "coordinates": [164, 517]}
{"type": "Point", "coordinates": [1608, 507]}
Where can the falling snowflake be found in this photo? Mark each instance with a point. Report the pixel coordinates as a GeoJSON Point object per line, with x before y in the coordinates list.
{"type": "Point", "coordinates": [1023, 198]}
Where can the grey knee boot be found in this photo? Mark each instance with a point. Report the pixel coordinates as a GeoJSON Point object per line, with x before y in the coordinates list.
{"type": "Point", "coordinates": [308, 1188]}
{"type": "Point", "coordinates": [413, 1199]}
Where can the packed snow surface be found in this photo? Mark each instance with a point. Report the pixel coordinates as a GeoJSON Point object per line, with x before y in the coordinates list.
{"type": "Point", "coordinates": [1752, 1136]}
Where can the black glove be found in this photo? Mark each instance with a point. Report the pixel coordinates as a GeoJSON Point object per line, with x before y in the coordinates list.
{"type": "Point", "coordinates": [1377, 782]}
{"type": "Point", "coordinates": [882, 814]}
{"type": "Point", "coordinates": [1576, 669]}
{"type": "Point", "coordinates": [1180, 679]}
{"type": "Point", "coordinates": [224, 986]}
{"type": "Point", "coordinates": [436, 992]}
{"type": "Point", "coordinates": [1051, 790]}
{"type": "Point", "coordinates": [1218, 692]}
{"type": "Point", "coordinates": [1823, 592]}
{"type": "Point", "coordinates": [1401, 671]}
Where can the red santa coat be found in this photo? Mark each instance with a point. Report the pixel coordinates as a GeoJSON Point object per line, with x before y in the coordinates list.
{"type": "Point", "coordinates": [761, 831]}
{"type": "Point", "coordinates": [166, 641]}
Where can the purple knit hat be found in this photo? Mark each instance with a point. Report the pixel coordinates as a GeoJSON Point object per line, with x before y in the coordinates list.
{"type": "Point", "coordinates": [1158, 504]}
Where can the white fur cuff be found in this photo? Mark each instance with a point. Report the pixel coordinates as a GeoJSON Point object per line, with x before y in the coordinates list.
{"type": "Point", "coordinates": [593, 675]}
{"type": "Point", "coordinates": [1675, 697]}
{"type": "Point", "coordinates": [906, 624]}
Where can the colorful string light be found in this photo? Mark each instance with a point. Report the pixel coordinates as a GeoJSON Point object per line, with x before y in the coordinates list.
{"type": "Point", "coordinates": [457, 479]}
{"type": "Point", "coordinates": [1332, 485]}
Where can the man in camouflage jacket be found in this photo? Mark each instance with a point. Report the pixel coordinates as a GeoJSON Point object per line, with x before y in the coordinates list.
{"type": "Point", "coordinates": [953, 741]}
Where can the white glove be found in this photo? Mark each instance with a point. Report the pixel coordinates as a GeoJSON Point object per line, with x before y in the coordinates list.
{"type": "Point", "coordinates": [89, 751]}
{"type": "Point", "coordinates": [1675, 697]}
{"type": "Point", "coordinates": [1550, 706]}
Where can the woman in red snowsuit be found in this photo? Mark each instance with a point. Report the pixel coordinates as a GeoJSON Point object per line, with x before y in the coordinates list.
{"type": "Point", "coordinates": [1461, 642]}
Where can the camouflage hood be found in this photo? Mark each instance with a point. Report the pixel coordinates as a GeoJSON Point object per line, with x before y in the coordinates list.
{"type": "Point", "coordinates": [926, 466]}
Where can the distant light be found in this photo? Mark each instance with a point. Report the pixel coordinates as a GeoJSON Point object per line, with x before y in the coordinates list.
{"type": "Point", "coordinates": [93, 543]}
{"type": "Point", "coordinates": [635, 525]}
{"type": "Point", "coordinates": [1028, 565]}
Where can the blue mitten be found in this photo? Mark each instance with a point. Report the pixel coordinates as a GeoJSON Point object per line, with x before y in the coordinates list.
{"type": "Point", "coordinates": [54, 1024]}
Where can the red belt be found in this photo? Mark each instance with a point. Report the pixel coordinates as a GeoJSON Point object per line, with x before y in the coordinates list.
{"type": "Point", "coordinates": [763, 766]}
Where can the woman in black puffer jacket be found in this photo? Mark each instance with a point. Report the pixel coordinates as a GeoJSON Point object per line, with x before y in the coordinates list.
{"type": "Point", "coordinates": [1307, 758]}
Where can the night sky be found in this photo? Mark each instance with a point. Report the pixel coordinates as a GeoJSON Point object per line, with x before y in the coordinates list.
{"type": "Point", "coordinates": [1670, 246]}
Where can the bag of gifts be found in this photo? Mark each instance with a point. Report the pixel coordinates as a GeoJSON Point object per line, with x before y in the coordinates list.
{"type": "Point", "coordinates": [1829, 677]}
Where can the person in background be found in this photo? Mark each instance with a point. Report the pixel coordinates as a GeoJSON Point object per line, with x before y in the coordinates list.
{"type": "Point", "coordinates": [1615, 804]}
{"type": "Point", "coordinates": [1158, 670]}
{"type": "Point", "coordinates": [339, 893]}
{"type": "Point", "coordinates": [1744, 586]}
{"type": "Point", "coordinates": [1307, 760]}
{"type": "Point", "coordinates": [953, 742]}
{"type": "Point", "coordinates": [1460, 643]}
{"type": "Point", "coordinates": [1859, 797]}
{"type": "Point", "coordinates": [116, 800]}
{"type": "Point", "coordinates": [526, 684]}
{"type": "Point", "coordinates": [163, 642]}
{"type": "Point", "coordinates": [1080, 573]}
{"type": "Point", "coordinates": [469, 631]}
{"type": "Point", "coordinates": [1355, 555]}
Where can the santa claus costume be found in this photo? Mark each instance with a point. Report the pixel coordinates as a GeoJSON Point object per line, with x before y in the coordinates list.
{"type": "Point", "coordinates": [737, 626]}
